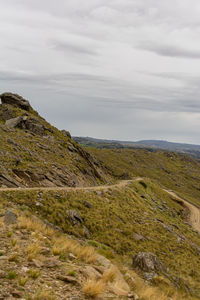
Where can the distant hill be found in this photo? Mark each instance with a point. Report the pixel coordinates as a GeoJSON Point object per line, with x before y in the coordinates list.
{"type": "Point", "coordinates": [193, 150]}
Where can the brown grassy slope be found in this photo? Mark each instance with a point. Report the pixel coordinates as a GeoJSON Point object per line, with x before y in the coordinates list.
{"type": "Point", "coordinates": [178, 172]}
{"type": "Point", "coordinates": [116, 216]}
{"type": "Point", "coordinates": [38, 262]}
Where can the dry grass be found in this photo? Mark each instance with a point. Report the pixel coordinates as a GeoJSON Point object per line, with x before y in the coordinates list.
{"type": "Point", "coordinates": [13, 242]}
{"type": "Point", "coordinates": [86, 254]}
{"type": "Point", "coordinates": [22, 280]}
{"type": "Point", "coordinates": [43, 294]}
{"type": "Point", "coordinates": [153, 293]}
{"type": "Point", "coordinates": [33, 251]}
{"type": "Point", "coordinates": [93, 289]}
{"type": "Point", "coordinates": [14, 257]}
{"type": "Point", "coordinates": [110, 274]}
{"type": "Point", "coordinates": [162, 291]}
{"type": "Point", "coordinates": [34, 273]}
{"type": "Point", "coordinates": [63, 246]}
{"type": "Point", "coordinates": [34, 225]}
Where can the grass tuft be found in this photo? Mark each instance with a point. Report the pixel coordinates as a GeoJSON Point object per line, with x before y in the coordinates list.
{"type": "Point", "coordinates": [93, 288]}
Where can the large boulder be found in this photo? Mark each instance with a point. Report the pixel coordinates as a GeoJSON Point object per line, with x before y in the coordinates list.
{"type": "Point", "coordinates": [148, 262]}
{"type": "Point", "coordinates": [27, 123]}
{"type": "Point", "coordinates": [16, 122]}
{"type": "Point", "coordinates": [34, 125]}
{"type": "Point", "coordinates": [15, 100]}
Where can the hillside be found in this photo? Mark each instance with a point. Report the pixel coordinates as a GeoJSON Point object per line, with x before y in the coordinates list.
{"type": "Point", "coordinates": [170, 170]}
{"type": "Point", "coordinates": [34, 153]}
{"type": "Point", "coordinates": [120, 222]}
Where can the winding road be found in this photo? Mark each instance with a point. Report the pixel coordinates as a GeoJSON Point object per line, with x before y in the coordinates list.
{"type": "Point", "coordinates": [194, 215]}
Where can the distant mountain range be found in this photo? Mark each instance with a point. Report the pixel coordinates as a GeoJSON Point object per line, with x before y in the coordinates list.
{"type": "Point", "coordinates": [193, 150]}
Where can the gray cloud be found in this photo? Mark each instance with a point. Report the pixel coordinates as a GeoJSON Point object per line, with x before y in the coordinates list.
{"type": "Point", "coordinates": [73, 49]}
{"type": "Point", "coordinates": [170, 50]}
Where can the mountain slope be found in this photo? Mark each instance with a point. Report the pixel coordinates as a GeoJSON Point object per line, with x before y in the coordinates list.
{"type": "Point", "coordinates": [34, 153]}
{"type": "Point", "coordinates": [122, 221]}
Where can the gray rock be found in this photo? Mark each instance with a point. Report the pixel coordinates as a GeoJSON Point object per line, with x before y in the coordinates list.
{"type": "Point", "coordinates": [167, 227]}
{"type": "Point", "coordinates": [149, 276]}
{"type": "Point", "coordinates": [71, 256]}
{"type": "Point", "coordinates": [34, 125]}
{"type": "Point", "coordinates": [86, 232]}
{"type": "Point", "coordinates": [10, 218]}
{"type": "Point", "coordinates": [87, 204]}
{"type": "Point", "coordinates": [51, 263]}
{"type": "Point", "coordinates": [28, 123]}
{"type": "Point", "coordinates": [67, 279]}
{"type": "Point", "coordinates": [15, 100]}
{"type": "Point", "coordinates": [99, 193]}
{"type": "Point", "coordinates": [148, 262]}
{"type": "Point", "coordinates": [178, 240]}
{"type": "Point", "coordinates": [138, 237]}
{"type": "Point", "coordinates": [15, 122]}
{"type": "Point", "coordinates": [90, 272]}
{"type": "Point", "coordinates": [16, 294]}
{"type": "Point", "coordinates": [74, 217]}
{"type": "Point", "coordinates": [66, 133]}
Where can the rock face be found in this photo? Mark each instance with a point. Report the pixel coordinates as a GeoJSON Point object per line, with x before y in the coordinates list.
{"type": "Point", "coordinates": [16, 100]}
{"type": "Point", "coordinates": [148, 262]}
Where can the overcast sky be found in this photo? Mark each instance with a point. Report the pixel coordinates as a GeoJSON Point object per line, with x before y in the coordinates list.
{"type": "Point", "coordinates": [118, 69]}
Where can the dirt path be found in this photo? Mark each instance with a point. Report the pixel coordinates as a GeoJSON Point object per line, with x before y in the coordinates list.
{"type": "Point", "coordinates": [122, 183]}
{"type": "Point", "coordinates": [194, 216]}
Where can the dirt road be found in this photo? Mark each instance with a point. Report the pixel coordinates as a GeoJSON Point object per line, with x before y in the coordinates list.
{"type": "Point", "coordinates": [122, 183]}
{"type": "Point", "coordinates": [194, 215]}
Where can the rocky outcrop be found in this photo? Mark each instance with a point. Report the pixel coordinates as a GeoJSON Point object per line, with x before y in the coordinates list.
{"type": "Point", "coordinates": [74, 217]}
{"type": "Point", "coordinates": [27, 123]}
{"type": "Point", "coordinates": [16, 122]}
{"type": "Point", "coordinates": [33, 125]}
{"type": "Point", "coordinates": [15, 100]}
{"type": "Point", "coordinates": [66, 133]}
{"type": "Point", "coordinates": [7, 112]}
{"type": "Point", "coordinates": [60, 160]}
{"type": "Point", "coordinates": [148, 262]}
